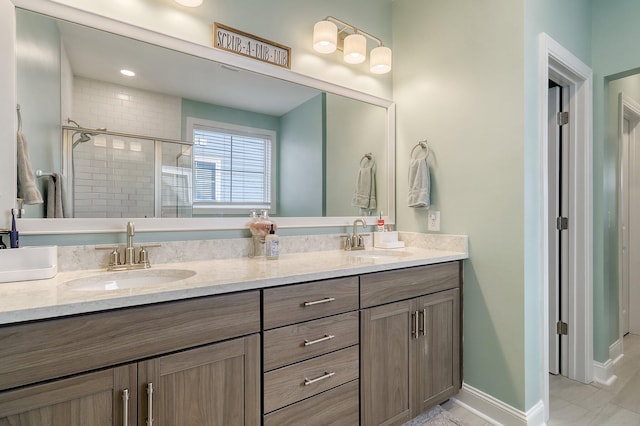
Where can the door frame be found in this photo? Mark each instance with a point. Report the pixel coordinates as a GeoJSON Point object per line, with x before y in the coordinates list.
{"type": "Point", "coordinates": [560, 65]}
{"type": "Point", "coordinates": [628, 109]}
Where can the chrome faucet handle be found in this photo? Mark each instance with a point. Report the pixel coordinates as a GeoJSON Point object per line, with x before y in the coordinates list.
{"type": "Point", "coordinates": [114, 257]}
{"type": "Point", "coordinates": [347, 243]}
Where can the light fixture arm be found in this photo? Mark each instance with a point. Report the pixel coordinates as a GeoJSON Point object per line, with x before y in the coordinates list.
{"type": "Point", "coordinates": [355, 30]}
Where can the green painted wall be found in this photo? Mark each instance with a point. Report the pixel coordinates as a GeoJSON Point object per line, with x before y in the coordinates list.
{"type": "Point", "coordinates": [471, 89]}
{"type": "Point", "coordinates": [301, 160]}
{"type": "Point", "coordinates": [458, 79]}
{"type": "Point", "coordinates": [346, 145]}
{"type": "Point", "coordinates": [38, 64]}
{"type": "Point", "coordinates": [615, 54]}
{"type": "Point", "coordinates": [226, 115]}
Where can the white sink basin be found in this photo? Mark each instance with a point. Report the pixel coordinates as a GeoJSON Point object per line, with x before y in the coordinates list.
{"type": "Point", "coordinates": [377, 254]}
{"type": "Point", "coordinates": [140, 278]}
{"type": "Point", "coordinates": [28, 263]}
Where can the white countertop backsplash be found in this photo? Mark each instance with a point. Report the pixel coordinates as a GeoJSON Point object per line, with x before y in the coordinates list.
{"type": "Point", "coordinates": [221, 266]}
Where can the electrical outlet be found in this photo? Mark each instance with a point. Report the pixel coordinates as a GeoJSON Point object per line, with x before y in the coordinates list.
{"type": "Point", "coordinates": [434, 221]}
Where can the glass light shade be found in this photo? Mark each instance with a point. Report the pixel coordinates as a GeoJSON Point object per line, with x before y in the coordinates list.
{"type": "Point", "coordinates": [355, 49]}
{"type": "Point", "coordinates": [189, 3]}
{"type": "Point", "coordinates": [325, 37]}
{"type": "Point", "coordinates": [380, 62]}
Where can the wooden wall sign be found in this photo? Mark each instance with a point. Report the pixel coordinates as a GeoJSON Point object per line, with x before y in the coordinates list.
{"type": "Point", "coordinates": [241, 43]}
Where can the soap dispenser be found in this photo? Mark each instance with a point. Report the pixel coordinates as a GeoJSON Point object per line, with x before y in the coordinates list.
{"type": "Point", "coordinates": [272, 243]}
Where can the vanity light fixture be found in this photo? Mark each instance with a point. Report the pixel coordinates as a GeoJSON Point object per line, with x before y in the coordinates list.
{"type": "Point", "coordinates": [189, 3]}
{"type": "Point", "coordinates": [332, 34]}
{"type": "Point", "coordinates": [128, 73]}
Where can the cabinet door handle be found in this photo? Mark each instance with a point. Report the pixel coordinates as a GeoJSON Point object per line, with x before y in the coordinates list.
{"type": "Point", "coordinates": [125, 407]}
{"type": "Point", "coordinates": [322, 339]}
{"type": "Point", "coordinates": [318, 302]}
{"type": "Point", "coordinates": [325, 376]}
{"type": "Point", "coordinates": [150, 404]}
{"type": "Point", "coordinates": [414, 324]}
{"type": "Point", "coordinates": [423, 314]}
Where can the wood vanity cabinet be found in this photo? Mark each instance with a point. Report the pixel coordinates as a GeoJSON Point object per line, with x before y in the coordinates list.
{"type": "Point", "coordinates": [410, 341]}
{"type": "Point", "coordinates": [311, 353]}
{"type": "Point", "coordinates": [199, 357]}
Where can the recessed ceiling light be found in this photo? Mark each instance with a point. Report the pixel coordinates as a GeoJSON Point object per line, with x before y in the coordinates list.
{"type": "Point", "coordinates": [189, 3]}
{"type": "Point", "coordinates": [128, 73]}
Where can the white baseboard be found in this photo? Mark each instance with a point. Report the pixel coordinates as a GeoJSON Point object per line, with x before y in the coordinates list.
{"type": "Point", "coordinates": [497, 412]}
{"type": "Point", "coordinates": [603, 372]}
{"type": "Point", "coordinates": [616, 351]}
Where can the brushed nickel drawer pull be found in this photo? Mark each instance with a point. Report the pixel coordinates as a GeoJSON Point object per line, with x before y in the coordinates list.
{"type": "Point", "coordinates": [414, 324]}
{"type": "Point", "coordinates": [125, 407]}
{"type": "Point", "coordinates": [424, 322]}
{"type": "Point", "coordinates": [322, 339]}
{"type": "Point", "coordinates": [317, 302]}
{"type": "Point", "coordinates": [325, 376]}
{"type": "Point", "coordinates": [150, 404]}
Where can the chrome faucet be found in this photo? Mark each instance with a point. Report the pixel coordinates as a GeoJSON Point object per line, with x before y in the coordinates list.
{"type": "Point", "coordinates": [130, 251]}
{"type": "Point", "coordinates": [355, 241]}
{"type": "Point", "coordinates": [129, 258]}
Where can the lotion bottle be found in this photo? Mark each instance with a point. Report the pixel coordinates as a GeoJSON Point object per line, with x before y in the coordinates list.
{"type": "Point", "coordinates": [272, 244]}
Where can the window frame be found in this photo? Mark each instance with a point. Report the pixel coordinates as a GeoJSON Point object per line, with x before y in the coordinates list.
{"type": "Point", "coordinates": [204, 208]}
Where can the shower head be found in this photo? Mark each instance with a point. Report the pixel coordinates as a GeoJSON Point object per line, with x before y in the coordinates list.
{"type": "Point", "coordinates": [85, 136]}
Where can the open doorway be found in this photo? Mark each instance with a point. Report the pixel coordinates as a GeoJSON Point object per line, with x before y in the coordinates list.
{"type": "Point", "coordinates": [629, 215]}
{"type": "Point", "coordinates": [561, 66]}
{"type": "Point", "coordinates": [559, 195]}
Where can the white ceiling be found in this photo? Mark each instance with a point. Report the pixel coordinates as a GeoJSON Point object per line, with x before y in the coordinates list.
{"type": "Point", "coordinates": [101, 55]}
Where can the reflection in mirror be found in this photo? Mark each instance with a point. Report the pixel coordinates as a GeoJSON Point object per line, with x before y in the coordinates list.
{"type": "Point", "coordinates": [185, 136]}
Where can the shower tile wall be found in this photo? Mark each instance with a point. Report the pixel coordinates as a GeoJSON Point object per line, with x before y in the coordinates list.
{"type": "Point", "coordinates": [126, 110]}
{"type": "Point", "coordinates": [114, 177]}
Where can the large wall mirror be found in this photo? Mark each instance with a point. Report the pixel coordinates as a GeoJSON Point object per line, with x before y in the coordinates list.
{"type": "Point", "coordinates": [188, 142]}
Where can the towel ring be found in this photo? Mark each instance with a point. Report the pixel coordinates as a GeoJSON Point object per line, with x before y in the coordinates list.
{"type": "Point", "coordinates": [424, 145]}
{"type": "Point", "coordinates": [367, 156]}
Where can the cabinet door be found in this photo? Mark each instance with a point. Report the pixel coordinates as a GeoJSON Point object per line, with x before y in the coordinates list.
{"type": "Point", "coordinates": [218, 384]}
{"type": "Point", "coordinates": [385, 374]}
{"type": "Point", "coordinates": [105, 398]}
{"type": "Point", "coordinates": [437, 357]}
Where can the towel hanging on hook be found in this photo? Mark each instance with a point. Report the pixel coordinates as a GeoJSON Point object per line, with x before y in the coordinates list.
{"type": "Point", "coordinates": [19, 117]}
{"type": "Point", "coordinates": [419, 178]}
{"type": "Point", "coordinates": [26, 184]}
{"type": "Point", "coordinates": [364, 195]}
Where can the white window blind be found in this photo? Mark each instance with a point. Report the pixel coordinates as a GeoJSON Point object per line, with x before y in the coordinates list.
{"type": "Point", "coordinates": [231, 168]}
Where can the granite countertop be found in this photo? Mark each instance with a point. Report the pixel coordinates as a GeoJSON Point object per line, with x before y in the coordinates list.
{"type": "Point", "coordinates": [55, 297]}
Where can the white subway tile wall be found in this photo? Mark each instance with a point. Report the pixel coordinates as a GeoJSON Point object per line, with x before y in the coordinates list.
{"type": "Point", "coordinates": [115, 176]}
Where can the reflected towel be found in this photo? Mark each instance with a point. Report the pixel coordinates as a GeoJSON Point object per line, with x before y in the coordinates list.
{"type": "Point", "coordinates": [54, 196]}
{"type": "Point", "coordinates": [364, 195]}
{"type": "Point", "coordinates": [419, 183]}
{"type": "Point", "coordinates": [27, 189]}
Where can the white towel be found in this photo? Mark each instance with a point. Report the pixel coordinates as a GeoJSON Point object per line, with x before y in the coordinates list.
{"type": "Point", "coordinates": [364, 195]}
{"type": "Point", "coordinates": [419, 183]}
{"type": "Point", "coordinates": [27, 189]}
{"type": "Point", "coordinates": [54, 197]}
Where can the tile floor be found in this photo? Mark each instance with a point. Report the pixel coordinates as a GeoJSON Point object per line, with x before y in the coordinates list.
{"type": "Point", "coordinates": [574, 403]}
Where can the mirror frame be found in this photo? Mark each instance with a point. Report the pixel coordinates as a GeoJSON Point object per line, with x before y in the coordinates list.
{"type": "Point", "coordinates": [81, 225]}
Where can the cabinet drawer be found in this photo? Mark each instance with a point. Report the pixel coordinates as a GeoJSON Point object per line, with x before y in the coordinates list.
{"type": "Point", "coordinates": [290, 384]}
{"type": "Point", "coordinates": [337, 407]}
{"type": "Point", "coordinates": [44, 350]}
{"type": "Point", "coordinates": [297, 342]}
{"type": "Point", "coordinates": [391, 286]}
{"type": "Point", "coordinates": [302, 302]}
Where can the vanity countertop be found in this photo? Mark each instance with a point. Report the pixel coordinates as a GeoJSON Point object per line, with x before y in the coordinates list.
{"type": "Point", "coordinates": [34, 300]}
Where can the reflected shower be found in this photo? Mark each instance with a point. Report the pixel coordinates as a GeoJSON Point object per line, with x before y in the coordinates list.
{"type": "Point", "coordinates": [84, 136]}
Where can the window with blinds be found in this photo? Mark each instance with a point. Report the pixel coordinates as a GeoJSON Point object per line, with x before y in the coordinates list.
{"type": "Point", "coordinates": [231, 168]}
